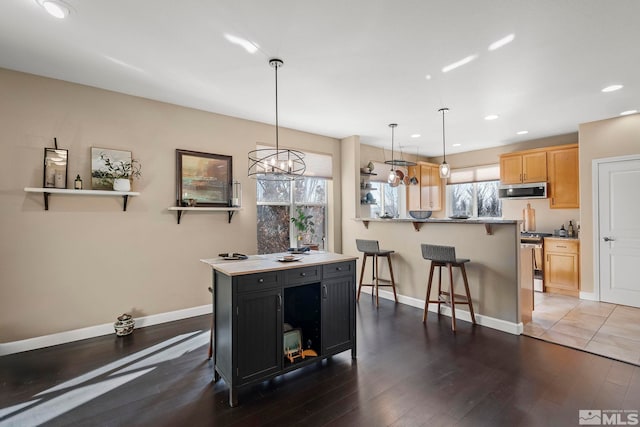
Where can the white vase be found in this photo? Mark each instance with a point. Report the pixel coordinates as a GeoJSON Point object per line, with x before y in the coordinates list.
{"type": "Point", "coordinates": [121, 184]}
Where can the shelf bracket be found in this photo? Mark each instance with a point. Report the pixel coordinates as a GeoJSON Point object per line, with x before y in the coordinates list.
{"type": "Point", "coordinates": [125, 199]}
{"type": "Point", "coordinates": [417, 225]}
{"type": "Point", "coordinates": [230, 216]}
{"type": "Point", "coordinates": [46, 200]}
{"type": "Point", "coordinates": [366, 224]}
{"type": "Point", "coordinates": [179, 216]}
{"type": "Point", "coordinates": [487, 229]}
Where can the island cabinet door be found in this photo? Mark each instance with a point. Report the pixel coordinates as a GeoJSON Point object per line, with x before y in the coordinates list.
{"type": "Point", "coordinates": [338, 321]}
{"type": "Point", "coordinates": [258, 334]}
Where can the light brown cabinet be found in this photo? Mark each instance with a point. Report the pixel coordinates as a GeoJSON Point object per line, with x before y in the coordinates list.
{"type": "Point", "coordinates": [562, 266]}
{"type": "Point", "coordinates": [518, 168]}
{"type": "Point", "coordinates": [427, 195]}
{"type": "Point", "coordinates": [564, 179]}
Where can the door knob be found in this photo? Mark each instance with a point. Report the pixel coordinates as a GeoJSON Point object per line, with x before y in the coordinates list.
{"type": "Point", "coordinates": [608, 239]}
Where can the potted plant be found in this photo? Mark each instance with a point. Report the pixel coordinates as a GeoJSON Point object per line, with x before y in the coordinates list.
{"type": "Point", "coordinates": [121, 172]}
{"type": "Point", "coordinates": [305, 226]}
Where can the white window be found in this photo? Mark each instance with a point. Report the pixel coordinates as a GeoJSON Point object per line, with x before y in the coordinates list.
{"type": "Point", "coordinates": [474, 192]}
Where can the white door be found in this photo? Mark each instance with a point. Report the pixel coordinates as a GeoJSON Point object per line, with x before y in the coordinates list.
{"type": "Point", "coordinates": [619, 230]}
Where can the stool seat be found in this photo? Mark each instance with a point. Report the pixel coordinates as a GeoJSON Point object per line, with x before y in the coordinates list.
{"type": "Point", "coordinates": [445, 256]}
{"type": "Point", "coordinates": [371, 248]}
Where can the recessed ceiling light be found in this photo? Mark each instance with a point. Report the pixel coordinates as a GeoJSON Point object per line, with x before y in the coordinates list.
{"type": "Point", "coordinates": [55, 8]}
{"type": "Point", "coordinates": [612, 88]}
{"type": "Point", "coordinates": [503, 41]}
{"type": "Point", "coordinates": [428, 77]}
{"type": "Point", "coordinates": [415, 135]}
{"type": "Point", "coordinates": [460, 63]}
{"type": "Point", "coordinates": [522, 132]}
{"type": "Point", "coordinates": [491, 117]}
{"type": "Point", "coordinates": [626, 113]}
{"type": "Point", "coordinates": [456, 145]}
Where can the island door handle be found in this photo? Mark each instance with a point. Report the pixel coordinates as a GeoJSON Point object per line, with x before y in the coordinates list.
{"type": "Point", "coordinates": [608, 239]}
{"type": "Point", "coordinates": [324, 291]}
{"type": "Point", "coordinates": [279, 302]}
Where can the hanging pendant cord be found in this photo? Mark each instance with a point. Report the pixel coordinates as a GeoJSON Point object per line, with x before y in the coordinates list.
{"type": "Point", "coordinates": [444, 152]}
{"type": "Point", "coordinates": [276, 66]}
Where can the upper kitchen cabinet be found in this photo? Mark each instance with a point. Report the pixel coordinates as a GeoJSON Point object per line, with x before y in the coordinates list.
{"type": "Point", "coordinates": [427, 195]}
{"type": "Point", "coordinates": [523, 167]}
{"type": "Point", "coordinates": [563, 168]}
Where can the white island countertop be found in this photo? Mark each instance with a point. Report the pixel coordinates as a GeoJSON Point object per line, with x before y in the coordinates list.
{"type": "Point", "coordinates": [269, 262]}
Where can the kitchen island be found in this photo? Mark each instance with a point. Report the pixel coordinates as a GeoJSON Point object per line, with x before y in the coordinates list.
{"type": "Point", "coordinates": [259, 299]}
{"type": "Point", "coordinates": [500, 290]}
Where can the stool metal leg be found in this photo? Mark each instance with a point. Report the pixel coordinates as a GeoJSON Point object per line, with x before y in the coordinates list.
{"type": "Point", "coordinates": [377, 274]}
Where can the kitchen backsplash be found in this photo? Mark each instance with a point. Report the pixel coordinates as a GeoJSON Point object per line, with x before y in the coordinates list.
{"type": "Point", "coordinates": [547, 219]}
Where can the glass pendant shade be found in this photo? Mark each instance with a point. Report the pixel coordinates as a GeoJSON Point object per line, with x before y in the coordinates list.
{"type": "Point", "coordinates": [276, 164]}
{"type": "Point", "coordinates": [445, 170]}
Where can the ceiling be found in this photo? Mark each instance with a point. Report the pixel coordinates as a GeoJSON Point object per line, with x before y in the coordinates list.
{"type": "Point", "coordinates": [350, 67]}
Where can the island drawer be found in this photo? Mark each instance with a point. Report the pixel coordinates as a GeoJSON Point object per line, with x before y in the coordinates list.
{"type": "Point", "coordinates": [338, 269]}
{"type": "Point", "coordinates": [303, 275]}
{"type": "Point", "coordinates": [258, 281]}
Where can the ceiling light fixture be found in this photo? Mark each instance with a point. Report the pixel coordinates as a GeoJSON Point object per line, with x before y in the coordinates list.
{"type": "Point", "coordinates": [491, 117]}
{"type": "Point", "coordinates": [55, 8]}
{"type": "Point", "coordinates": [612, 88]}
{"type": "Point", "coordinates": [460, 63]}
{"type": "Point", "coordinates": [626, 113]}
{"type": "Point", "coordinates": [445, 170]}
{"type": "Point", "coordinates": [522, 132]}
{"type": "Point", "coordinates": [503, 41]}
{"type": "Point", "coordinates": [270, 164]}
{"type": "Point", "coordinates": [415, 135]}
{"type": "Point", "coordinates": [392, 178]}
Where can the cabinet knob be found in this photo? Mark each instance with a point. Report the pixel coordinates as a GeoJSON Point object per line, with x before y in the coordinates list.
{"type": "Point", "coordinates": [303, 274]}
{"type": "Point", "coordinates": [261, 280]}
{"type": "Point", "coordinates": [339, 268]}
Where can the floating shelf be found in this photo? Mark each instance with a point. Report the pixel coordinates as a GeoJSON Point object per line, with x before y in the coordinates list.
{"type": "Point", "coordinates": [230, 210]}
{"type": "Point", "coordinates": [47, 191]}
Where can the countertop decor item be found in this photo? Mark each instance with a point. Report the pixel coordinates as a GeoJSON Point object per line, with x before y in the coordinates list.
{"type": "Point", "coordinates": [124, 325]}
{"type": "Point", "coordinates": [420, 214]}
{"type": "Point", "coordinates": [277, 164]}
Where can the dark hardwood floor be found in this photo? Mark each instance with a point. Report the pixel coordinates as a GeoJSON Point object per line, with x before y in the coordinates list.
{"type": "Point", "coordinates": [406, 374]}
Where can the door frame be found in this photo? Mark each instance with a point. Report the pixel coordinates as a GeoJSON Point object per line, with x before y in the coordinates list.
{"type": "Point", "coordinates": [595, 182]}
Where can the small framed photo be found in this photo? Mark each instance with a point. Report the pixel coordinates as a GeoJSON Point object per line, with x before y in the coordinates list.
{"type": "Point", "coordinates": [55, 168]}
{"type": "Point", "coordinates": [203, 179]}
{"type": "Point", "coordinates": [101, 179]}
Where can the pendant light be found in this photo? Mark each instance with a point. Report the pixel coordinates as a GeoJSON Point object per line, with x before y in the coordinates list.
{"type": "Point", "coordinates": [445, 170]}
{"type": "Point", "coordinates": [277, 164]}
{"type": "Point", "coordinates": [392, 174]}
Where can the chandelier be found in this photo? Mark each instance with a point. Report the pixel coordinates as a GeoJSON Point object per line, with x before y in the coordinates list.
{"type": "Point", "coordinates": [277, 164]}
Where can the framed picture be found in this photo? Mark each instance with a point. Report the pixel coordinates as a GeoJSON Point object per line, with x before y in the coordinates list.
{"type": "Point", "coordinates": [55, 168]}
{"type": "Point", "coordinates": [100, 179]}
{"type": "Point", "coordinates": [203, 179]}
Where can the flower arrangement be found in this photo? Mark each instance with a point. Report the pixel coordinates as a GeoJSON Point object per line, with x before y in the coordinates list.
{"type": "Point", "coordinates": [121, 169]}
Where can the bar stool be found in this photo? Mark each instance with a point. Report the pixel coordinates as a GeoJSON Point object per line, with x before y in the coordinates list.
{"type": "Point", "coordinates": [370, 248]}
{"type": "Point", "coordinates": [445, 256]}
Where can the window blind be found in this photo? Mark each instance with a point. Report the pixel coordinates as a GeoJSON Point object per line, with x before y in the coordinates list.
{"type": "Point", "coordinates": [475, 174]}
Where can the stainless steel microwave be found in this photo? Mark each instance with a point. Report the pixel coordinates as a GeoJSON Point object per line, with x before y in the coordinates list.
{"type": "Point", "coordinates": [535, 190]}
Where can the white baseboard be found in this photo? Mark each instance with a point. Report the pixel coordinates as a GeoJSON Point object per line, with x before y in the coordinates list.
{"type": "Point", "coordinates": [590, 296]}
{"type": "Point", "coordinates": [98, 330]}
{"type": "Point", "coordinates": [489, 322]}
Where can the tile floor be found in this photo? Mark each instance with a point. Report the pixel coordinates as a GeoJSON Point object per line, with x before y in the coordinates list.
{"type": "Point", "coordinates": [607, 329]}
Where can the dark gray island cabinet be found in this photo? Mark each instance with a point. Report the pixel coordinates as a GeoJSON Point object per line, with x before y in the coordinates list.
{"type": "Point", "coordinates": [255, 301]}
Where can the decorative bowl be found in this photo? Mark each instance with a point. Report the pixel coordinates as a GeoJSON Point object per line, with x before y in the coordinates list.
{"type": "Point", "coordinates": [420, 214]}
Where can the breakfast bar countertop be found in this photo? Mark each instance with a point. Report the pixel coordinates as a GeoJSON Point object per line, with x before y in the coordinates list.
{"type": "Point", "coordinates": [269, 262]}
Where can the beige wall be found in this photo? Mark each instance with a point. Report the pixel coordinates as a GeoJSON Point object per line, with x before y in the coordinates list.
{"type": "Point", "coordinates": [84, 262]}
{"type": "Point", "coordinates": [615, 137]}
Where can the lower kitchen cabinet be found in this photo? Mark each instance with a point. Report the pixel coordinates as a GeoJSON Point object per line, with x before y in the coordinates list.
{"type": "Point", "coordinates": [253, 311]}
{"type": "Point", "coordinates": [562, 266]}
